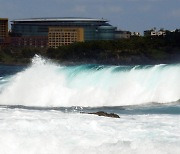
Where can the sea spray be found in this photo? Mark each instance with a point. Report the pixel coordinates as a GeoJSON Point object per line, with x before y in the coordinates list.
{"type": "Point", "coordinates": [47, 84]}
{"type": "Point", "coordinates": [25, 131]}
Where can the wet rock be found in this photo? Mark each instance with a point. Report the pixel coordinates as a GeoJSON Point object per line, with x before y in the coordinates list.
{"type": "Point", "coordinates": [102, 113]}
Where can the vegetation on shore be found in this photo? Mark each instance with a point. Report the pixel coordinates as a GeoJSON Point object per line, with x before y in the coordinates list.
{"type": "Point", "coordinates": [136, 50]}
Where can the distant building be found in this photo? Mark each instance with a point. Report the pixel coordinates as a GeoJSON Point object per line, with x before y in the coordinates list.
{"type": "Point", "coordinates": [3, 31]}
{"type": "Point", "coordinates": [54, 32]}
{"type": "Point", "coordinates": [119, 34]}
{"type": "Point", "coordinates": [59, 36]}
{"type": "Point", "coordinates": [30, 41]}
{"type": "Point", "coordinates": [135, 34]}
{"type": "Point", "coordinates": [154, 32]}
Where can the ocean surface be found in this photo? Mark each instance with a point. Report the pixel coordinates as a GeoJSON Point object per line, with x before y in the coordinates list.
{"type": "Point", "coordinates": [44, 106]}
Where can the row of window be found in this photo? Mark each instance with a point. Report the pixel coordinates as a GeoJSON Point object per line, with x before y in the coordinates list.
{"type": "Point", "coordinates": [59, 43]}
{"type": "Point", "coordinates": [59, 36]}
{"type": "Point", "coordinates": [64, 30]}
{"type": "Point", "coordinates": [71, 34]}
{"type": "Point", "coordinates": [69, 41]}
{"type": "Point", "coordinates": [55, 45]}
{"type": "Point", "coordinates": [62, 38]}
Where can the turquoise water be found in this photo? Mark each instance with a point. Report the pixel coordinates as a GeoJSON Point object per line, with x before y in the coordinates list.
{"type": "Point", "coordinates": [150, 89]}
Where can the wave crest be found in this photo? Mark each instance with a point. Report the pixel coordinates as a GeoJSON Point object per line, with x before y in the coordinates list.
{"type": "Point", "coordinates": [47, 84]}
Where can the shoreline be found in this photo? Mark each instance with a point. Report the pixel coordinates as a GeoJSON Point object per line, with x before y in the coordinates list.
{"type": "Point", "coordinates": [128, 61]}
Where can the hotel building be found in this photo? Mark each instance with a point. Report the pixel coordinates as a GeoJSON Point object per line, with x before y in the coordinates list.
{"type": "Point", "coordinates": [3, 30]}
{"type": "Point", "coordinates": [59, 36]}
{"type": "Point", "coordinates": [54, 32]}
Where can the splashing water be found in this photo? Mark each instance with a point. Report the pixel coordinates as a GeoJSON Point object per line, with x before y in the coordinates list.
{"type": "Point", "coordinates": [47, 84]}
{"type": "Point", "coordinates": [40, 104]}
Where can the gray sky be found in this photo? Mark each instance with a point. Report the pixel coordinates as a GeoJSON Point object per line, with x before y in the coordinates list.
{"type": "Point", "coordinates": [132, 15]}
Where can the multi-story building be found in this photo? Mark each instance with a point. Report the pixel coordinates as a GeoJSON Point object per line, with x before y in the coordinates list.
{"type": "Point", "coordinates": [48, 32]}
{"type": "Point", "coordinates": [59, 36]}
{"type": "Point", "coordinates": [30, 41]}
{"type": "Point", "coordinates": [3, 30]}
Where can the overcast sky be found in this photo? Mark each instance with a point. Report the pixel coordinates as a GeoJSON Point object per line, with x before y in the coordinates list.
{"type": "Point", "coordinates": [132, 15]}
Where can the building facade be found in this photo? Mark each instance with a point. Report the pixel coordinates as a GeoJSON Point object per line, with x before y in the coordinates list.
{"type": "Point", "coordinates": [59, 36]}
{"type": "Point", "coordinates": [154, 32]}
{"type": "Point", "coordinates": [122, 34]}
{"type": "Point", "coordinates": [135, 34]}
{"type": "Point", "coordinates": [93, 29]}
{"type": "Point", "coordinates": [3, 31]}
{"type": "Point", "coordinates": [30, 41]}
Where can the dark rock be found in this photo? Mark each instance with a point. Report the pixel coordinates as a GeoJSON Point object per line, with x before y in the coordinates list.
{"type": "Point", "coordinates": [102, 113]}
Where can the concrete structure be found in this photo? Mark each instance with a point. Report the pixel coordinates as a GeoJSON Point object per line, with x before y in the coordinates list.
{"type": "Point", "coordinates": [59, 36]}
{"type": "Point", "coordinates": [135, 34]}
{"type": "Point", "coordinates": [3, 31]}
{"type": "Point", "coordinates": [119, 34]}
{"type": "Point", "coordinates": [154, 32]}
{"type": "Point", "coordinates": [33, 29]}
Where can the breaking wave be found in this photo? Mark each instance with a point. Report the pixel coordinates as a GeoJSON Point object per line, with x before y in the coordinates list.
{"type": "Point", "coordinates": [47, 84]}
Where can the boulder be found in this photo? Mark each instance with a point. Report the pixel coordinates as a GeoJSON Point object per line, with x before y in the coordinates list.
{"type": "Point", "coordinates": [102, 113]}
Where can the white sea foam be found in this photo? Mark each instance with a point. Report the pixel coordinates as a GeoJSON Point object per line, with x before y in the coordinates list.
{"type": "Point", "coordinates": [24, 131]}
{"type": "Point", "coordinates": [46, 132]}
{"type": "Point", "coordinates": [47, 84]}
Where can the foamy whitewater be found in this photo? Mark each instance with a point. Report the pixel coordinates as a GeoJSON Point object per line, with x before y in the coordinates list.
{"type": "Point", "coordinates": [41, 109]}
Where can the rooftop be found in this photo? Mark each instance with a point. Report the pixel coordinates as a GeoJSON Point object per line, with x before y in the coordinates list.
{"type": "Point", "coordinates": [59, 19]}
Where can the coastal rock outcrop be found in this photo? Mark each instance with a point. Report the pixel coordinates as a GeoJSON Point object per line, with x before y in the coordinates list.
{"type": "Point", "coordinates": [102, 113]}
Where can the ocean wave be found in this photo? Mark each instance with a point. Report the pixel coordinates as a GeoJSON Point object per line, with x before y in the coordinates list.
{"type": "Point", "coordinates": [47, 84]}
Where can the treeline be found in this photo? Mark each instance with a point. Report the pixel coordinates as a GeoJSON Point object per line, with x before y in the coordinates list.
{"type": "Point", "coordinates": [127, 51]}
{"type": "Point", "coordinates": [14, 55]}
{"type": "Point", "coordinates": [101, 50]}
